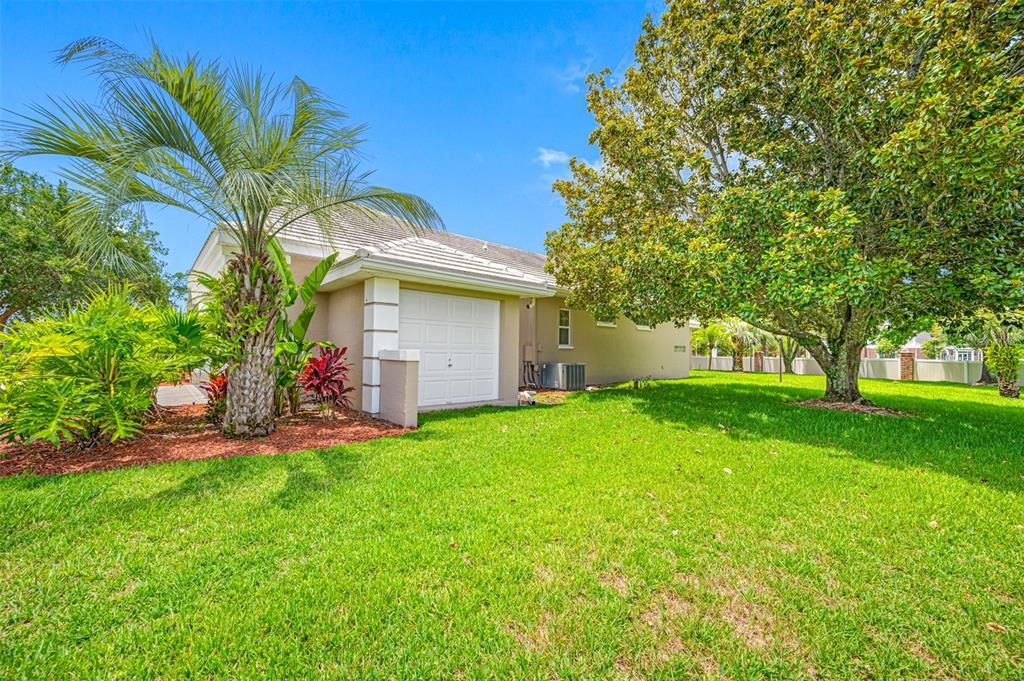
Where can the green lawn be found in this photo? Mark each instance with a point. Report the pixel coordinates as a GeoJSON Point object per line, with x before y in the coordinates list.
{"type": "Point", "coordinates": [603, 537]}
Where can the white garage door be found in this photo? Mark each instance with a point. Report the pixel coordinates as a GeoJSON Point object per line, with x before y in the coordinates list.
{"type": "Point", "coordinates": [458, 342]}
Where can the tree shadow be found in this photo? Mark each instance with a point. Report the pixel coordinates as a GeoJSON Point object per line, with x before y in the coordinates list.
{"type": "Point", "coordinates": [308, 478]}
{"type": "Point", "coordinates": [979, 442]}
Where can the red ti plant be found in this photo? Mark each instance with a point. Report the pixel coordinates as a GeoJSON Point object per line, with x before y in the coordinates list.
{"type": "Point", "coordinates": [325, 379]}
{"type": "Point", "coordinates": [216, 387]}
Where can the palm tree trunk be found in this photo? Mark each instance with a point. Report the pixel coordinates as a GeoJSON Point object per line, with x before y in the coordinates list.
{"type": "Point", "coordinates": [254, 311]}
{"type": "Point", "coordinates": [737, 357]}
{"type": "Point", "coordinates": [1008, 388]}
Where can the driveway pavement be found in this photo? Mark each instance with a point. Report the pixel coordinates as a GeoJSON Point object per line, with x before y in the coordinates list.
{"type": "Point", "coordinates": [177, 395]}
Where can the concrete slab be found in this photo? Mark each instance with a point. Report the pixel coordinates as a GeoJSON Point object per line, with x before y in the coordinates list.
{"type": "Point", "coordinates": [177, 395]}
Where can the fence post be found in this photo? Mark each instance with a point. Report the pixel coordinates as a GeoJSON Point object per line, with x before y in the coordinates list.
{"type": "Point", "coordinates": [906, 366]}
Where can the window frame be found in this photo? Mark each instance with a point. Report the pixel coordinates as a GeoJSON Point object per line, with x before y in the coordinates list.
{"type": "Point", "coordinates": [568, 329]}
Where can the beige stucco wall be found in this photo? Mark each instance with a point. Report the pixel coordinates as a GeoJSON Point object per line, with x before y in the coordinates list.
{"type": "Point", "coordinates": [611, 354]}
{"type": "Point", "coordinates": [343, 326]}
{"type": "Point", "coordinates": [302, 266]}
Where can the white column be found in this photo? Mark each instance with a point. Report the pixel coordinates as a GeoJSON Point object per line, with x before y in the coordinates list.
{"type": "Point", "coordinates": [380, 332]}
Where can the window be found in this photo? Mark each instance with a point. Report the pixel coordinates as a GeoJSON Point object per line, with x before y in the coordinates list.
{"type": "Point", "coordinates": [609, 323]}
{"type": "Point", "coordinates": [564, 332]}
{"type": "Point", "coordinates": [964, 355]}
{"type": "Point", "coordinates": [643, 327]}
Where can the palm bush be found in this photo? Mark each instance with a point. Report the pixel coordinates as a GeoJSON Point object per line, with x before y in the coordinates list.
{"type": "Point", "coordinates": [293, 349]}
{"type": "Point", "coordinates": [1005, 361]}
{"type": "Point", "coordinates": [234, 147]}
{"type": "Point", "coordinates": [88, 375]}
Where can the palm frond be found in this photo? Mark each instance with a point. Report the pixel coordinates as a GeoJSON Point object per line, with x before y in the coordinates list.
{"type": "Point", "coordinates": [231, 145]}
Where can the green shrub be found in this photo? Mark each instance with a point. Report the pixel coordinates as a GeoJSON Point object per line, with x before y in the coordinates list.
{"type": "Point", "coordinates": [1004, 360]}
{"type": "Point", "coordinates": [88, 375]}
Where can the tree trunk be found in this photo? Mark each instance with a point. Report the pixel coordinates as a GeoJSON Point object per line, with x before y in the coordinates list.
{"type": "Point", "coordinates": [710, 355]}
{"type": "Point", "coordinates": [250, 400]}
{"type": "Point", "coordinates": [737, 357]}
{"type": "Point", "coordinates": [5, 316]}
{"type": "Point", "coordinates": [986, 375]}
{"type": "Point", "coordinates": [1009, 388]}
{"type": "Point", "coordinates": [787, 362]}
{"type": "Point", "coordinates": [842, 369]}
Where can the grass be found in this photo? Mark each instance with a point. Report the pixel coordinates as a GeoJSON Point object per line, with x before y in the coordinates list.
{"type": "Point", "coordinates": [601, 538]}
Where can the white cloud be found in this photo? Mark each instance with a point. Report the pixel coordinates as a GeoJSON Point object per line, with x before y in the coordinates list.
{"type": "Point", "coordinates": [572, 76]}
{"type": "Point", "coordinates": [549, 157]}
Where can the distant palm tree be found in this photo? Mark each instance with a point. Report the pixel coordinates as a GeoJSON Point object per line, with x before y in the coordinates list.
{"type": "Point", "coordinates": [711, 337]}
{"type": "Point", "coordinates": [743, 336]}
{"type": "Point", "coordinates": [985, 329]}
{"type": "Point", "coordinates": [230, 145]}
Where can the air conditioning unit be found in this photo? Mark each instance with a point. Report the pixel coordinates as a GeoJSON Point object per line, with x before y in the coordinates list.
{"type": "Point", "coordinates": [563, 376]}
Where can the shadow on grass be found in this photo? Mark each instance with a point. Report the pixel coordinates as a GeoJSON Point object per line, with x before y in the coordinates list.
{"type": "Point", "coordinates": [979, 442]}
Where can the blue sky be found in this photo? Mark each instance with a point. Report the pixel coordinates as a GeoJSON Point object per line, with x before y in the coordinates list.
{"type": "Point", "coordinates": [474, 106]}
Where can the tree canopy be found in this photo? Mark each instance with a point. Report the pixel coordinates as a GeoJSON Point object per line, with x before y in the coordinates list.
{"type": "Point", "coordinates": [816, 169]}
{"type": "Point", "coordinates": [41, 268]}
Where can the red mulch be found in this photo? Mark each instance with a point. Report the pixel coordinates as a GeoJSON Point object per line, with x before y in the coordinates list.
{"type": "Point", "coordinates": [182, 434]}
{"type": "Point", "coordinates": [856, 408]}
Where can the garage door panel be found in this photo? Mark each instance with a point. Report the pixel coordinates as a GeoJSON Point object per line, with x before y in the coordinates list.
{"type": "Point", "coordinates": [433, 391]}
{"type": "Point", "coordinates": [436, 334]}
{"type": "Point", "coordinates": [412, 306]}
{"type": "Point", "coordinates": [461, 309]}
{"type": "Point", "coordinates": [484, 362]}
{"type": "Point", "coordinates": [462, 335]}
{"type": "Point", "coordinates": [433, 362]}
{"type": "Point", "coordinates": [457, 337]}
{"type": "Point", "coordinates": [462, 362]}
{"type": "Point", "coordinates": [434, 307]}
{"type": "Point", "coordinates": [411, 331]}
{"type": "Point", "coordinates": [484, 387]}
{"type": "Point", "coordinates": [460, 390]}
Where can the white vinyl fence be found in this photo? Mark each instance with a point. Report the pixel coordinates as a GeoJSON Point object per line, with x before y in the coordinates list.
{"type": "Point", "coordinates": [924, 369]}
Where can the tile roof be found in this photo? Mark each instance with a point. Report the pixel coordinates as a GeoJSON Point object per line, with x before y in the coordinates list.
{"type": "Point", "coordinates": [390, 239]}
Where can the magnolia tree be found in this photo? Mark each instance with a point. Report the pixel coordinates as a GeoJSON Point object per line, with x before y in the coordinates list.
{"type": "Point", "coordinates": [816, 169]}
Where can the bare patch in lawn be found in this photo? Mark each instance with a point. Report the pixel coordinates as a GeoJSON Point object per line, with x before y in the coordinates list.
{"type": "Point", "coordinates": [535, 639]}
{"type": "Point", "coordinates": [855, 408]}
{"type": "Point", "coordinates": [750, 621]}
{"type": "Point", "coordinates": [665, 605]}
{"type": "Point", "coordinates": [543, 574]}
{"type": "Point", "coordinates": [615, 581]}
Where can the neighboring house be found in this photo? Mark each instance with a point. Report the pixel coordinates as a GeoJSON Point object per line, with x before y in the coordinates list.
{"type": "Point", "coordinates": [915, 347]}
{"type": "Point", "coordinates": [475, 311]}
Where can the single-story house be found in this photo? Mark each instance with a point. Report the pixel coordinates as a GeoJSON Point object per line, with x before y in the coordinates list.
{"type": "Point", "coordinates": [473, 313]}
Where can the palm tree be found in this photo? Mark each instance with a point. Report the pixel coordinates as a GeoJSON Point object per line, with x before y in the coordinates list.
{"type": "Point", "coordinates": [230, 145]}
{"type": "Point", "coordinates": [986, 329]}
{"type": "Point", "coordinates": [743, 336]}
{"type": "Point", "coordinates": [788, 349]}
{"type": "Point", "coordinates": [711, 337]}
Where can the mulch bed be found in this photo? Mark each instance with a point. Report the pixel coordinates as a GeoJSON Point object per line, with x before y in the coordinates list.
{"type": "Point", "coordinates": [871, 409]}
{"type": "Point", "coordinates": [182, 434]}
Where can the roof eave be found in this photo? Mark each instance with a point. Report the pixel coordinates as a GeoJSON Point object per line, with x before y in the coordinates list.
{"type": "Point", "coordinates": [358, 267]}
